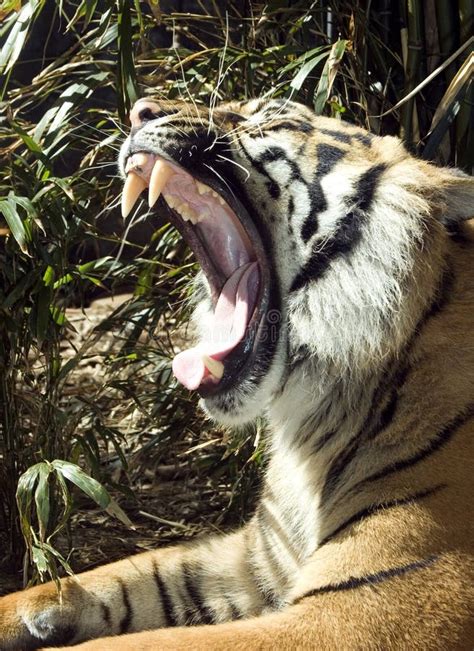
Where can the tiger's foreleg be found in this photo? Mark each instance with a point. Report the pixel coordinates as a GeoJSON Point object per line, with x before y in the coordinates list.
{"type": "Point", "coordinates": [202, 583]}
{"type": "Point", "coordinates": [426, 608]}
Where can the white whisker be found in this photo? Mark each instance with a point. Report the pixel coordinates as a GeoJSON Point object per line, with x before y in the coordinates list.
{"type": "Point", "coordinates": [229, 160]}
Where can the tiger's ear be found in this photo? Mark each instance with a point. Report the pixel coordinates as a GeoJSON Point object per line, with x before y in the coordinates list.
{"type": "Point", "coordinates": [457, 189]}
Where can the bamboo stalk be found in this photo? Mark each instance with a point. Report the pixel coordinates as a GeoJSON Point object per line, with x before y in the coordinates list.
{"type": "Point", "coordinates": [447, 33]}
{"type": "Point", "coordinates": [464, 123]}
{"type": "Point", "coordinates": [415, 49]}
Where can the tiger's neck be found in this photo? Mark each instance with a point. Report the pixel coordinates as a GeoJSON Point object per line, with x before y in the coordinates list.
{"type": "Point", "coordinates": [319, 415]}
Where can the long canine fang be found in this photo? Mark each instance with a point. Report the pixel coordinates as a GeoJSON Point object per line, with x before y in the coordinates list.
{"type": "Point", "coordinates": [159, 176]}
{"type": "Point", "coordinates": [214, 366]}
{"type": "Point", "coordinates": [133, 187]}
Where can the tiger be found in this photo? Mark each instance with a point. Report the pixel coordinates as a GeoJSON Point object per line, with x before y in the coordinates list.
{"type": "Point", "coordinates": [335, 301]}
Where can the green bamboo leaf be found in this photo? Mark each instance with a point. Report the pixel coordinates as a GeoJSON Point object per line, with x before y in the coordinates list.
{"type": "Point", "coordinates": [79, 478]}
{"type": "Point", "coordinates": [128, 87]}
{"type": "Point", "coordinates": [93, 264]}
{"type": "Point", "coordinates": [42, 499]}
{"type": "Point", "coordinates": [20, 24]}
{"type": "Point", "coordinates": [48, 276]}
{"type": "Point", "coordinates": [302, 59]}
{"type": "Point", "coordinates": [39, 559]}
{"type": "Point", "coordinates": [58, 556]}
{"type": "Point", "coordinates": [64, 280]}
{"type": "Point", "coordinates": [304, 71]}
{"type": "Point", "coordinates": [15, 223]}
{"type": "Point", "coordinates": [64, 185]}
{"type": "Point", "coordinates": [73, 97]}
{"type": "Point", "coordinates": [24, 498]}
{"type": "Point", "coordinates": [463, 76]}
{"type": "Point", "coordinates": [328, 75]}
{"type": "Point", "coordinates": [58, 314]}
{"type": "Point", "coordinates": [449, 107]}
{"type": "Point", "coordinates": [25, 203]}
{"type": "Point", "coordinates": [115, 510]}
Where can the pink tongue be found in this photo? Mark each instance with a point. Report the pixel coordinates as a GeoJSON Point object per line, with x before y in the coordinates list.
{"type": "Point", "coordinates": [231, 316]}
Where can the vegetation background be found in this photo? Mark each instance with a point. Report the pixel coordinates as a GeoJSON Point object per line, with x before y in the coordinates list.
{"type": "Point", "coordinates": [90, 416]}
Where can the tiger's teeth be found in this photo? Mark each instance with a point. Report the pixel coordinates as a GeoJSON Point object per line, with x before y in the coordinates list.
{"type": "Point", "coordinates": [159, 177]}
{"type": "Point", "coordinates": [214, 366]}
{"type": "Point", "coordinates": [187, 213]}
{"type": "Point", "coordinates": [202, 188]}
{"type": "Point", "coordinates": [133, 187]}
{"type": "Point", "coordinates": [170, 200]}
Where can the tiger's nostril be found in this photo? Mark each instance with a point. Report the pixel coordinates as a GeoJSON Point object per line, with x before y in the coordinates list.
{"type": "Point", "coordinates": [143, 111]}
{"type": "Point", "coordinates": [146, 114]}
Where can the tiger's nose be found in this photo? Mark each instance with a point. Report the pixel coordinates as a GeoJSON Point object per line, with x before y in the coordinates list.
{"type": "Point", "coordinates": [142, 111]}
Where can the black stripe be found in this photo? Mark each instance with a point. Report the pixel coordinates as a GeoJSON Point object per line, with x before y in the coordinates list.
{"type": "Point", "coordinates": [234, 610]}
{"type": "Point", "coordinates": [435, 444]}
{"type": "Point", "coordinates": [364, 138]}
{"type": "Point", "coordinates": [375, 508]}
{"type": "Point", "coordinates": [328, 157]}
{"type": "Point", "coordinates": [338, 465]}
{"type": "Point", "coordinates": [272, 187]}
{"type": "Point", "coordinates": [348, 232]}
{"type": "Point", "coordinates": [165, 597]}
{"type": "Point", "coordinates": [354, 582]}
{"type": "Point", "coordinates": [317, 204]}
{"type": "Point", "coordinates": [272, 154]}
{"type": "Point", "coordinates": [127, 618]}
{"type": "Point", "coordinates": [442, 296]}
{"type": "Point", "coordinates": [61, 636]}
{"type": "Point", "coordinates": [309, 227]}
{"type": "Point", "coordinates": [291, 207]}
{"type": "Point", "coordinates": [337, 135]}
{"type": "Point", "coordinates": [395, 382]}
{"type": "Point", "coordinates": [105, 613]}
{"type": "Point", "coordinates": [323, 440]}
{"type": "Point", "coordinates": [303, 127]}
{"type": "Point", "coordinates": [367, 185]}
{"type": "Point", "coordinates": [205, 614]}
{"type": "Point", "coordinates": [386, 417]}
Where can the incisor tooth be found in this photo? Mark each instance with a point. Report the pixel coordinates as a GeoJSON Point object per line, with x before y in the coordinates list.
{"type": "Point", "coordinates": [159, 176]}
{"type": "Point", "coordinates": [133, 187]}
{"type": "Point", "coordinates": [214, 366]}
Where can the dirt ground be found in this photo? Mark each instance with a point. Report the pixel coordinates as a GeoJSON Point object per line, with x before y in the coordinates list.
{"type": "Point", "coordinates": [182, 493]}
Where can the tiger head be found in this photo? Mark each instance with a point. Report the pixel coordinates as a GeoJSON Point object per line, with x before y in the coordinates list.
{"type": "Point", "coordinates": [321, 245]}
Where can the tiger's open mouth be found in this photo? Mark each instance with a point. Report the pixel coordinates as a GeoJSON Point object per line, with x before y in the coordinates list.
{"type": "Point", "coordinates": [230, 251]}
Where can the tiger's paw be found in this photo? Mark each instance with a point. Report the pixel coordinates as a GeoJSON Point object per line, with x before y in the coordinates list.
{"type": "Point", "coordinates": [34, 618]}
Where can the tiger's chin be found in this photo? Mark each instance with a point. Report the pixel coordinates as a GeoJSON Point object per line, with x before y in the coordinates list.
{"type": "Point", "coordinates": [244, 402]}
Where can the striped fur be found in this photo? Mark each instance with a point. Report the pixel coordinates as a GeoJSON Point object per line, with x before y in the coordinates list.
{"type": "Point", "coordinates": [363, 536]}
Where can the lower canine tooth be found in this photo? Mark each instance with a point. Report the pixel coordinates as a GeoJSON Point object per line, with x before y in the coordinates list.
{"type": "Point", "coordinates": [214, 366]}
{"type": "Point", "coordinates": [133, 187]}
